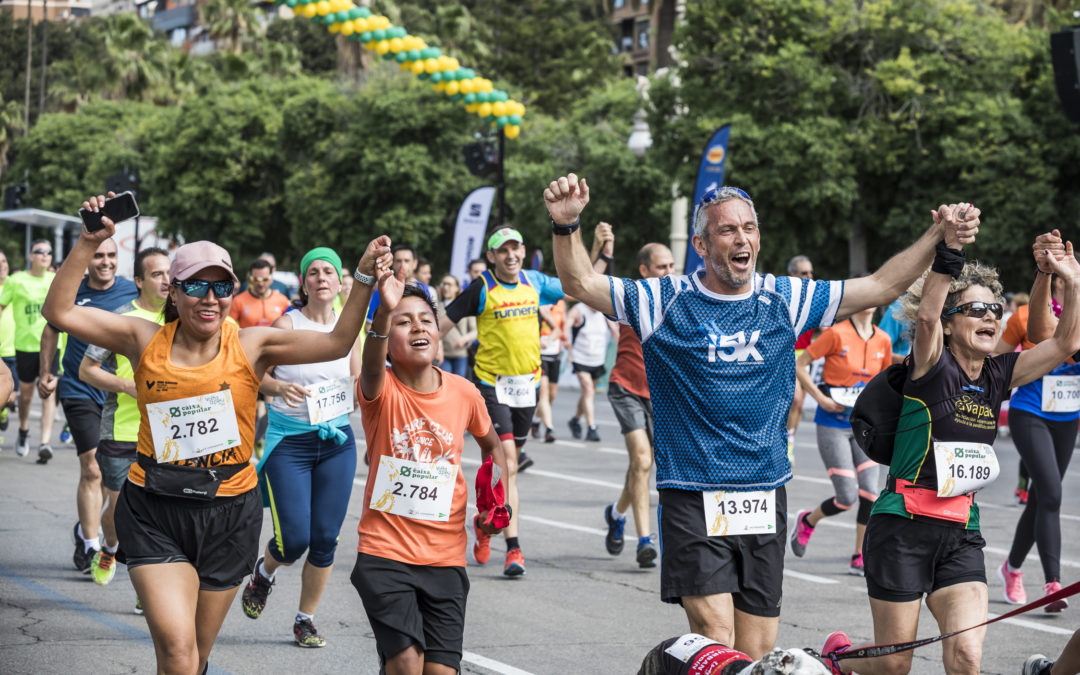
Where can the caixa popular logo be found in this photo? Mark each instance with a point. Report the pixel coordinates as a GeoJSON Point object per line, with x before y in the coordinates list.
{"type": "Point", "coordinates": [735, 348]}
{"type": "Point", "coordinates": [174, 412]}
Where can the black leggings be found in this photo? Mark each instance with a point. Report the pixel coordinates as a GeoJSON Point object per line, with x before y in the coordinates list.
{"type": "Point", "coordinates": [1045, 447]}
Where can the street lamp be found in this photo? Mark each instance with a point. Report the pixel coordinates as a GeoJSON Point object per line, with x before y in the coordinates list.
{"type": "Point", "coordinates": [640, 139]}
{"type": "Point", "coordinates": [639, 143]}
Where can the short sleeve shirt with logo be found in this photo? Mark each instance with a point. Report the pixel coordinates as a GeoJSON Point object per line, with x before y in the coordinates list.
{"type": "Point", "coordinates": [721, 372]}
{"type": "Point", "coordinates": [23, 295]}
{"type": "Point", "coordinates": [119, 293]}
{"type": "Point", "coordinates": [428, 429]}
{"type": "Point", "coordinates": [249, 310]}
{"type": "Point", "coordinates": [1029, 397]}
{"type": "Point", "coordinates": [850, 361]}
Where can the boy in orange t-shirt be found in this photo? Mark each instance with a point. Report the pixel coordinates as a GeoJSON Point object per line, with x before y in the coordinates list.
{"type": "Point", "coordinates": [410, 565]}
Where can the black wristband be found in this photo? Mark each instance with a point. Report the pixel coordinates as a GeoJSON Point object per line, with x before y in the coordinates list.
{"type": "Point", "coordinates": [607, 258]}
{"type": "Point", "coordinates": [948, 261]}
{"type": "Point", "coordinates": [565, 230]}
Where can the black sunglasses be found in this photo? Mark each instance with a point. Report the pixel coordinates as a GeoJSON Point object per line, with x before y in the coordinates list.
{"type": "Point", "coordinates": [41, 251]}
{"type": "Point", "coordinates": [197, 288]}
{"type": "Point", "coordinates": [977, 310]}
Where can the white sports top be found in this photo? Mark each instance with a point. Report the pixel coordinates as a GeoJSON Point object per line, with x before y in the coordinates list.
{"type": "Point", "coordinates": [307, 374]}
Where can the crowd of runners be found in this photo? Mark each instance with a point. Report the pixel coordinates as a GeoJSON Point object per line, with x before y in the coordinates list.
{"type": "Point", "coordinates": [197, 404]}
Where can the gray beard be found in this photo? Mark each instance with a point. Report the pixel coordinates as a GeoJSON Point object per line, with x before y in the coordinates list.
{"type": "Point", "coordinates": [725, 276]}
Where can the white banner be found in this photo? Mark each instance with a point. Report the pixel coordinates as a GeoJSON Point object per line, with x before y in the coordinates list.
{"type": "Point", "coordinates": [472, 223]}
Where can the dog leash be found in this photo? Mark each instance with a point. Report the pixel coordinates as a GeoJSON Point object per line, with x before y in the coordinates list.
{"type": "Point", "coordinates": [884, 650]}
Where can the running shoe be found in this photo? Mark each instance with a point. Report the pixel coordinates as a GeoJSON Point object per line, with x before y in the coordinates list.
{"type": "Point", "coordinates": [138, 606]}
{"type": "Point", "coordinates": [44, 453]}
{"type": "Point", "coordinates": [306, 635]}
{"type": "Point", "coordinates": [65, 434]}
{"type": "Point", "coordinates": [1020, 496]}
{"type": "Point", "coordinates": [1037, 664]}
{"type": "Point", "coordinates": [22, 448]}
{"type": "Point", "coordinates": [856, 567]}
{"type": "Point", "coordinates": [646, 552]}
{"type": "Point", "coordinates": [524, 461]}
{"type": "Point", "coordinates": [549, 436]}
{"type": "Point", "coordinates": [481, 548]}
{"type": "Point", "coordinates": [614, 539]}
{"type": "Point", "coordinates": [259, 448]}
{"type": "Point", "coordinates": [534, 430]}
{"type": "Point", "coordinates": [256, 592]}
{"type": "Point", "coordinates": [575, 427]}
{"type": "Point", "coordinates": [81, 558]}
{"type": "Point", "coordinates": [3, 418]}
{"type": "Point", "coordinates": [593, 435]}
{"type": "Point", "coordinates": [1057, 605]}
{"type": "Point", "coordinates": [839, 643]}
{"type": "Point", "coordinates": [103, 567]}
{"type": "Point", "coordinates": [515, 563]}
{"type": "Point", "coordinates": [801, 536]}
{"type": "Point", "coordinates": [1014, 585]}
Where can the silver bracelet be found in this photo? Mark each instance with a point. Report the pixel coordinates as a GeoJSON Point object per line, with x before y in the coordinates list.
{"type": "Point", "coordinates": [373, 334]}
{"type": "Point", "coordinates": [365, 279]}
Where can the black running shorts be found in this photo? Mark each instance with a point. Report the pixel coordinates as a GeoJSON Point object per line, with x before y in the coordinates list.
{"type": "Point", "coordinates": [28, 365]}
{"type": "Point", "coordinates": [410, 605]}
{"type": "Point", "coordinates": [633, 412]}
{"type": "Point", "coordinates": [508, 422]}
{"type": "Point", "coordinates": [906, 559]}
{"type": "Point", "coordinates": [220, 538]}
{"type": "Point", "coordinates": [84, 419]}
{"type": "Point", "coordinates": [750, 567]}
{"type": "Point", "coordinates": [596, 371]}
{"type": "Point", "coordinates": [550, 366]}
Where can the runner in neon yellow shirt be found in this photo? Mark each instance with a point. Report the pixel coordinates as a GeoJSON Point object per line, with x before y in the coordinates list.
{"type": "Point", "coordinates": [7, 345]}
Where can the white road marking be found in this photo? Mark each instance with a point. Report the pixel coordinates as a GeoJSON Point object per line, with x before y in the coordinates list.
{"type": "Point", "coordinates": [1034, 625]}
{"type": "Point", "coordinates": [812, 578]}
{"type": "Point", "coordinates": [491, 664]}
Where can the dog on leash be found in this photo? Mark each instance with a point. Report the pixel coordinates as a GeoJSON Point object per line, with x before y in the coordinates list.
{"type": "Point", "coordinates": [694, 654]}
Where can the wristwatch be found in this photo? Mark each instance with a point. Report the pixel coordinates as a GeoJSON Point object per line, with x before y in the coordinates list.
{"type": "Point", "coordinates": [365, 279]}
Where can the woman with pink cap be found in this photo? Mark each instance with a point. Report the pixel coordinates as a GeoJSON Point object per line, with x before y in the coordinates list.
{"type": "Point", "coordinates": [190, 513]}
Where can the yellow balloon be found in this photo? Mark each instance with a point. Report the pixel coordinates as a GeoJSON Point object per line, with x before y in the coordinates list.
{"type": "Point", "coordinates": [512, 130]}
{"type": "Point", "coordinates": [384, 23]}
{"type": "Point", "coordinates": [335, 28]}
{"type": "Point", "coordinates": [454, 64]}
{"type": "Point", "coordinates": [471, 107]}
{"type": "Point", "coordinates": [359, 25]}
{"type": "Point", "coordinates": [346, 28]}
{"type": "Point", "coordinates": [382, 47]}
{"type": "Point", "coordinates": [487, 85]}
{"type": "Point", "coordinates": [405, 66]}
{"type": "Point", "coordinates": [369, 45]}
{"type": "Point", "coordinates": [484, 110]}
{"type": "Point", "coordinates": [466, 86]}
{"type": "Point", "coordinates": [444, 62]}
{"type": "Point", "coordinates": [439, 86]}
{"type": "Point", "coordinates": [308, 10]}
{"type": "Point", "coordinates": [431, 66]}
{"type": "Point", "coordinates": [322, 7]}
{"type": "Point", "coordinates": [521, 109]}
{"type": "Point", "coordinates": [453, 87]}
{"type": "Point", "coordinates": [416, 67]}
{"type": "Point", "coordinates": [338, 5]}
{"type": "Point", "coordinates": [396, 45]}
{"type": "Point", "coordinates": [498, 109]}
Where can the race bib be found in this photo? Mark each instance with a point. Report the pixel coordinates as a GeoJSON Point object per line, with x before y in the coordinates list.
{"type": "Point", "coordinates": [733, 513]}
{"type": "Point", "coordinates": [193, 427]}
{"type": "Point", "coordinates": [845, 396]}
{"type": "Point", "coordinates": [686, 646]}
{"type": "Point", "coordinates": [1061, 393]}
{"type": "Point", "coordinates": [516, 391]}
{"type": "Point", "coordinates": [424, 491]}
{"type": "Point", "coordinates": [329, 399]}
{"type": "Point", "coordinates": [963, 468]}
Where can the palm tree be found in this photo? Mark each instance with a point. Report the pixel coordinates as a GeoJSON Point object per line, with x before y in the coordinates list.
{"type": "Point", "coordinates": [230, 20]}
{"type": "Point", "coordinates": [11, 123]}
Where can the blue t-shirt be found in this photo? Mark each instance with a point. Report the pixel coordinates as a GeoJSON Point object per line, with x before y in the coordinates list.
{"type": "Point", "coordinates": [840, 420]}
{"type": "Point", "coordinates": [721, 372]}
{"type": "Point", "coordinates": [896, 330]}
{"type": "Point", "coordinates": [373, 304]}
{"type": "Point", "coordinates": [122, 291]}
{"type": "Point", "coordinates": [1029, 397]}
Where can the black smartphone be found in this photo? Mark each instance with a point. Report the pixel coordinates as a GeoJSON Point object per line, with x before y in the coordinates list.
{"type": "Point", "coordinates": [119, 208]}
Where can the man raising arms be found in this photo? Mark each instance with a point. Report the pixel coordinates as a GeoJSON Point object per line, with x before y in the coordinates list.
{"type": "Point", "coordinates": [717, 347]}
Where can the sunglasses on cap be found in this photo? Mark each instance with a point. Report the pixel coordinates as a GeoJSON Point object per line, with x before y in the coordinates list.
{"type": "Point", "coordinates": [977, 310]}
{"type": "Point", "coordinates": [723, 191]}
{"type": "Point", "coordinates": [41, 251]}
{"type": "Point", "coordinates": [198, 288]}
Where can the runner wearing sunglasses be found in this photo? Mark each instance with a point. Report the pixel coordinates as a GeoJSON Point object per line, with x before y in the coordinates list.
{"type": "Point", "coordinates": [923, 538]}
{"type": "Point", "coordinates": [190, 513]}
{"type": "Point", "coordinates": [717, 347]}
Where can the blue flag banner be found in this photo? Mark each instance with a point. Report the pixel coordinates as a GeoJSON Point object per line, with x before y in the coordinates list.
{"type": "Point", "coordinates": [710, 175]}
{"type": "Point", "coordinates": [472, 222]}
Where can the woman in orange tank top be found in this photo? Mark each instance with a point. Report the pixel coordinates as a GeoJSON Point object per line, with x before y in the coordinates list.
{"type": "Point", "coordinates": [190, 515]}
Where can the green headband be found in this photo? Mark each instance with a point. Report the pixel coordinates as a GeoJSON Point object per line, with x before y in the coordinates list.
{"type": "Point", "coordinates": [320, 253]}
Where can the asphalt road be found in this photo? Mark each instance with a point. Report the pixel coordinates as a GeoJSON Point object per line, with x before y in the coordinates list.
{"type": "Point", "coordinates": [578, 610]}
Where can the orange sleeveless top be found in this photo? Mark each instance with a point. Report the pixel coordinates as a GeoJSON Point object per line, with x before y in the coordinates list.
{"type": "Point", "coordinates": [159, 380]}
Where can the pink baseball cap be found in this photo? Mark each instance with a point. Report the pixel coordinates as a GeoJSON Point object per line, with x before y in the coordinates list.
{"type": "Point", "coordinates": [192, 258]}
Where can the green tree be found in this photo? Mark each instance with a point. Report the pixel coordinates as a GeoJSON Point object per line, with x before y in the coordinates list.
{"type": "Point", "coordinates": [11, 124]}
{"type": "Point", "coordinates": [229, 21]}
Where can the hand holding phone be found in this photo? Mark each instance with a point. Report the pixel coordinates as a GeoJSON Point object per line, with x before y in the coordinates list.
{"type": "Point", "coordinates": [118, 209]}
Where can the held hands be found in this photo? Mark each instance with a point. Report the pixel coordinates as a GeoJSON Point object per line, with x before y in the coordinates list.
{"type": "Point", "coordinates": [95, 204]}
{"type": "Point", "coordinates": [961, 223]}
{"type": "Point", "coordinates": [566, 198]}
{"type": "Point", "coordinates": [1066, 266]}
{"type": "Point", "coordinates": [603, 240]}
{"type": "Point", "coordinates": [378, 251]}
{"type": "Point", "coordinates": [1049, 243]}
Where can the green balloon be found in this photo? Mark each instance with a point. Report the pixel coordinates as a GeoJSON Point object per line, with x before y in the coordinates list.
{"type": "Point", "coordinates": [290, 3]}
{"type": "Point", "coordinates": [436, 77]}
{"type": "Point", "coordinates": [470, 98]}
{"type": "Point", "coordinates": [449, 75]}
{"type": "Point", "coordinates": [483, 97]}
{"type": "Point", "coordinates": [343, 16]}
{"type": "Point", "coordinates": [401, 32]}
{"type": "Point", "coordinates": [425, 53]}
{"type": "Point", "coordinates": [378, 34]}
{"type": "Point", "coordinates": [413, 54]}
{"type": "Point", "coordinates": [501, 95]}
{"type": "Point", "coordinates": [365, 36]}
{"type": "Point", "coordinates": [423, 76]}
{"type": "Point", "coordinates": [329, 19]}
{"type": "Point", "coordinates": [401, 57]}
{"type": "Point", "coordinates": [387, 56]}
{"type": "Point", "coordinates": [502, 120]}
{"type": "Point", "coordinates": [515, 119]}
{"type": "Point", "coordinates": [469, 73]}
{"type": "Point", "coordinates": [455, 97]}
{"type": "Point", "coordinates": [354, 13]}
{"type": "Point", "coordinates": [435, 52]}
{"type": "Point", "coordinates": [364, 12]}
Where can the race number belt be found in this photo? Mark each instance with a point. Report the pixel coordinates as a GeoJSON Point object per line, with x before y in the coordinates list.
{"type": "Point", "coordinates": [193, 427]}
{"type": "Point", "coordinates": [729, 514]}
{"type": "Point", "coordinates": [845, 396]}
{"type": "Point", "coordinates": [964, 468]}
{"type": "Point", "coordinates": [516, 391]}
{"type": "Point", "coordinates": [329, 400]}
{"type": "Point", "coordinates": [1061, 393]}
{"type": "Point", "coordinates": [420, 490]}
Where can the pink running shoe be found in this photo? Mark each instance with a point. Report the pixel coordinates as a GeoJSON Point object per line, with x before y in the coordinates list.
{"type": "Point", "coordinates": [1014, 585]}
{"type": "Point", "coordinates": [857, 568]}
{"type": "Point", "coordinates": [1057, 605]}
{"type": "Point", "coordinates": [838, 643]}
{"type": "Point", "coordinates": [801, 536]}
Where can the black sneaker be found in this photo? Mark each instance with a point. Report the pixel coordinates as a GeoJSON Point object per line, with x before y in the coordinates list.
{"type": "Point", "coordinates": [306, 635]}
{"type": "Point", "coordinates": [614, 539]}
{"type": "Point", "coordinates": [549, 437]}
{"type": "Point", "coordinates": [524, 462]}
{"type": "Point", "coordinates": [575, 427]}
{"type": "Point", "coordinates": [534, 430]}
{"type": "Point", "coordinates": [256, 592]}
{"type": "Point", "coordinates": [593, 435]}
{"type": "Point", "coordinates": [82, 558]}
{"type": "Point", "coordinates": [22, 448]}
{"type": "Point", "coordinates": [44, 453]}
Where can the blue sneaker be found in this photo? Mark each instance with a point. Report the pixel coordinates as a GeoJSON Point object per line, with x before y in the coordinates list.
{"type": "Point", "coordinates": [646, 552]}
{"type": "Point", "coordinates": [65, 435]}
{"type": "Point", "coordinates": [614, 538]}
